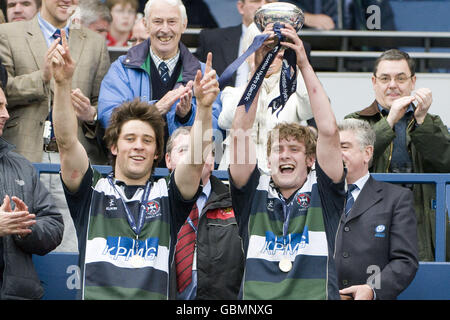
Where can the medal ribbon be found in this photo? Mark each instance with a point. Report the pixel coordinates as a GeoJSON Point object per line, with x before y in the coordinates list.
{"type": "Point", "coordinates": [288, 83]}
{"type": "Point", "coordinates": [143, 206]}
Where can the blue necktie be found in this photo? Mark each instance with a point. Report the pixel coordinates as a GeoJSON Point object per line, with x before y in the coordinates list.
{"type": "Point", "coordinates": [164, 72]}
{"type": "Point", "coordinates": [350, 199]}
{"type": "Point", "coordinates": [57, 34]}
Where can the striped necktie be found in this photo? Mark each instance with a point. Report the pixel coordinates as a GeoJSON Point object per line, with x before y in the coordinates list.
{"type": "Point", "coordinates": [164, 72]}
{"type": "Point", "coordinates": [57, 35]}
{"type": "Point", "coordinates": [184, 250]}
{"type": "Point", "coordinates": [350, 200]}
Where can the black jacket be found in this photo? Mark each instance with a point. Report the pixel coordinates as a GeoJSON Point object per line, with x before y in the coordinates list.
{"type": "Point", "coordinates": [220, 255]}
{"type": "Point", "coordinates": [223, 43]}
{"type": "Point", "coordinates": [19, 178]}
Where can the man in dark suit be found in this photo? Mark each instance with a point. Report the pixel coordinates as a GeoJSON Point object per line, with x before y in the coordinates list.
{"type": "Point", "coordinates": [376, 244]}
{"type": "Point", "coordinates": [225, 43]}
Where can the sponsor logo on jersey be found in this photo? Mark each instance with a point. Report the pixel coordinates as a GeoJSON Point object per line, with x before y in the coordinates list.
{"type": "Point", "coordinates": [124, 247]}
{"type": "Point", "coordinates": [289, 244]}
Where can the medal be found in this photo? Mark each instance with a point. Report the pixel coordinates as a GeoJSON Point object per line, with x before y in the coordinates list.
{"type": "Point", "coordinates": [285, 265]}
{"type": "Point", "coordinates": [137, 261]}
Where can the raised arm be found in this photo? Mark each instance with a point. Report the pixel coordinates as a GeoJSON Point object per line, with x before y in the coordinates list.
{"type": "Point", "coordinates": [242, 147]}
{"type": "Point", "coordinates": [74, 159]}
{"type": "Point", "coordinates": [188, 172]}
{"type": "Point", "coordinates": [328, 150]}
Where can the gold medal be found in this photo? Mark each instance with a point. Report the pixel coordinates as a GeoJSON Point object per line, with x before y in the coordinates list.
{"type": "Point", "coordinates": [285, 265]}
{"type": "Point", "coordinates": [137, 261]}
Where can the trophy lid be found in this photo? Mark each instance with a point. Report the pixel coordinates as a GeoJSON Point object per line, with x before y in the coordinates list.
{"type": "Point", "coordinates": [282, 12]}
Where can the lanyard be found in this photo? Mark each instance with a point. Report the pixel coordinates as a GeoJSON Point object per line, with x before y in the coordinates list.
{"type": "Point", "coordinates": [287, 210]}
{"type": "Point", "coordinates": [142, 208]}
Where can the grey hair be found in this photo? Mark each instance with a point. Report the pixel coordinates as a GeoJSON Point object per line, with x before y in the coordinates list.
{"type": "Point", "coordinates": [178, 3]}
{"type": "Point", "coordinates": [186, 130]}
{"type": "Point", "coordinates": [362, 130]}
{"type": "Point", "coordinates": [92, 10]}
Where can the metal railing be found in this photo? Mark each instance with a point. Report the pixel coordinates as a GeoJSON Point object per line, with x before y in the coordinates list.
{"type": "Point", "coordinates": [442, 182]}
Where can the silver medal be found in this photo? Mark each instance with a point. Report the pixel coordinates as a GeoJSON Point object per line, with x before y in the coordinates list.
{"type": "Point", "coordinates": [285, 265]}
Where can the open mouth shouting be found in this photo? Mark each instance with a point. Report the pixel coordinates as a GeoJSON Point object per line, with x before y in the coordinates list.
{"type": "Point", "coordinates": [286, 168]}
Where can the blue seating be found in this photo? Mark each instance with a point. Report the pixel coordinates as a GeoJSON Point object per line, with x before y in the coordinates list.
{"type": "Point", "coordinates": [59, 271]}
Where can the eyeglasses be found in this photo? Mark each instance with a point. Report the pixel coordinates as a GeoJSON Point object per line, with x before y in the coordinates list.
{"type": "Point", "coordinates": [401, 78]}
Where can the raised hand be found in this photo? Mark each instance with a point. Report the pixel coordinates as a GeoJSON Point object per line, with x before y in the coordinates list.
{"type": "Point", "coordinates": [206, 88]}
{"type": "Point", "coordinates": [47, 65]}
{"type": "Point", "coordinates": [184, 106]}
{"type": "Point", "coordinates": [295, 44]}
{"type": "Point", "coordinates": [82, 105]}
{"type": "Point", "coordinates": [62, 64]}
{"type": "Point", "coordinates": [267, 45]}
{"type": "Point", "coordinates": [424, 99]}
{"type": "Point", "coordinates": [398, 109]}
{"type": "Point", "coordinates": [165, 103]}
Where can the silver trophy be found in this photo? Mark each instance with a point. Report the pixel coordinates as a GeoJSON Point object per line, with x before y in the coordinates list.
{"type": "Point", "coordinates": [282, 12]}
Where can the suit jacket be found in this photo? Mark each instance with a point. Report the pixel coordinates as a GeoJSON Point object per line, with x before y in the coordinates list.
{"type": "Point", "coordinates": [22, 50]}
{"type": "Point", "coordinates": [224, 45]}
{"type": "Point", "coordinates": [378, 235]}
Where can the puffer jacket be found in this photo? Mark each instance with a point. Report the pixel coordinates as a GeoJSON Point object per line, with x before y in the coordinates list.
{"type": "Point", "coordinates": [429, 148]}
{"type": "Point", "coordinates": [19, 178]}
{"type": "Point", "coordinates": [220, 254]}
{"type": "Point", "coordinates": [129, 78]}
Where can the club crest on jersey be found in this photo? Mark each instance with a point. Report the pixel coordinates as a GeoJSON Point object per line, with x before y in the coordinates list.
{"type": "Point", "coordinates": [303, 200]}
{"type": "Point", "coordinates": [153, 209]}
{"type": "Point", "coordinates": [111, 204]}
{"type": "Point", "coordinates": [270, 205]}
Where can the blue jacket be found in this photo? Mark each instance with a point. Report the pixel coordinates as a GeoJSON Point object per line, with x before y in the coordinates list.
{"type": "Point", "coordinates": [128, 78]}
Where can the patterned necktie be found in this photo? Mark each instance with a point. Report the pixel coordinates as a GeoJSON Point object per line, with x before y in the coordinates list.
{"type": "Point", "coordinates": [184, 251]}
{"type": "Point", "coordinates": [57, 34]}
{"type": "Point", "coordinates": [164, 72]}
{"type": "Point", "coordinates": [350, 199]}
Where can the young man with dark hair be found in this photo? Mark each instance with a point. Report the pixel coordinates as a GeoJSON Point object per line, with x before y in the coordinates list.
{"type": "Point", "coordinates": [127, 222]}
